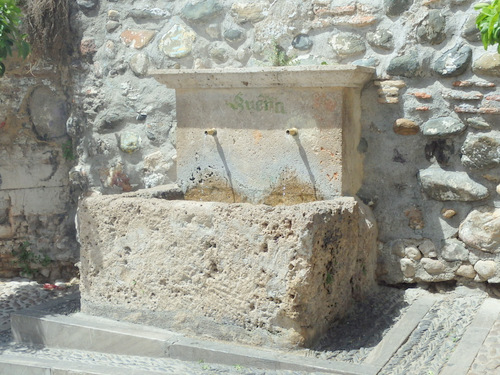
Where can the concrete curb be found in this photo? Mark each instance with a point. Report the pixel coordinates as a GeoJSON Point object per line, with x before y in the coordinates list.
{"type": "Point", "coordinates": [84, 332]}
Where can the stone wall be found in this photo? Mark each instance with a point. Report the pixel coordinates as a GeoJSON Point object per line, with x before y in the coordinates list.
{"type": "Point", "coordinates": [37, 233]}
{"type": "Point", "coordinates": [430, 138]}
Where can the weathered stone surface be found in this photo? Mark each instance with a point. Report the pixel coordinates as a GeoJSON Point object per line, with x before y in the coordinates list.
{"type": "Point", "coordinates": [448, 213]}
{"type": "Point", "coordinates": [259, 112]}
{"type": "Point", "coordinates": [433, 266]}
{"type": "Point", "coordinates": [443, 127]}
{"type": "Point", "coordinates": [412, 252]}
{"type": "Point", "coordinates": [415, 218]}
{"type": "Point", "coordinates": [302, 42]}
{"type": "Point", "coordinates": [247, 273]}
{"type": "Point", "coordinates": [450, 186]}
{"type": "Point", "coordinates": [396, 7]}
{"type": "Point", "coordinates": [347, 44]}
{"type": "Point", "coordinates": [249, 12]}
{"type": "Point", "coordinates": [87, 4]}
{"type": "Point", "coordinates": [139, 63]}
{"type": "Point", "coordinates": [88, 47]}
{"type": "Point", "coordinates": [440, 150]}
{"type": "Point", "coordinates": [137, 38]}
{"type": "Point", "coordinates": [112, 26]}
{"type": "Point", "coordinates": [129, 142]}
{"type": "Point", "coordinates": [487, 64]}
{"type": "Point", "coordinates": [481, 150]}
{"type": "Point", "coordinates": [234, 35]}
{"type": "Point", "coordinates": [145, 14]}
{"type": "Point", "coordinates": [466, 270]}
{"type": "Point", "coordinates": [453, 250]}
{"type": "Point", "coordinates": [202, 11]}
{"type": "Point", "coordinates": [177, 42]}
{"type": "Point", "coordinates": [218, 52]}
{"type": "Point", "coordinates": [370, 62]}
{"type": "Point", "coordinates": [470, 30]}
{"type": "Point", "coordinates": [432, 28]}
{"type": "Point", "coordinates": [453, 62]}
{"type": "Point", "coordinates": [113, 15]}
{"type": "Point", "coordinates": [48, 113]}
{"type": "Point", "coordinates": [485, 268]}
{"type": "Point", "coordinates": [462, 95]}
{"type": "Point", "coordinates": [381, 38]}
{"type": "Point", "coordinates": [481, 229]}
{"type": "Point", "coordinates": [408, 267]}
{"type": "Point", "coordinates": [406, 65]}
{"type": "Point", "coordinates": [404, 126]}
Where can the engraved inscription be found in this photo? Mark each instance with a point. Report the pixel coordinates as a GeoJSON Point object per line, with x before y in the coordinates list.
{"type": "Point", "coordinates": [264, 103]}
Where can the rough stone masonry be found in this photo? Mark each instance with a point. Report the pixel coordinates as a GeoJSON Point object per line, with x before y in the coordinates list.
{"type": "Point", "coordinates": [275, 276]}
{"type": "Point", "coordinates": [429, 121]}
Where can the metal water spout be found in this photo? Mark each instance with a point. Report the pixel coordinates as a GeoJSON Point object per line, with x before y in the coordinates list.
{"type": "Point", "coordinates": [211, 131]}
{"type": "Point", "coordinates": [292, 131]}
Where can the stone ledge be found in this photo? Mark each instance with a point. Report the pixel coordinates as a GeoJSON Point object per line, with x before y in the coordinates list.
{"type": "Point", "coordinates": [317, 76]}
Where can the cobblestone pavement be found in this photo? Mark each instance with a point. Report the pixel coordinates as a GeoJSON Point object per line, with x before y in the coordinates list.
{"type": "Point", "coordinates": [487, 361]}
{"type": "Point", "coordinates": [425, 351]}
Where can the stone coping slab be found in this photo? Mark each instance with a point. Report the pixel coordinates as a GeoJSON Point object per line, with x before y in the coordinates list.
{"type": "Point", "coordinates": [257, 77]}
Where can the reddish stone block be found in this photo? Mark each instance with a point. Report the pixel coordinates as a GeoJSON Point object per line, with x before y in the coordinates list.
{"type": "Point", "coordinates": [137, 38]}
{"type": "Point", "coordinates": [489, 111]}
{"type": "Point", "coordinates": [421, 95]}
{"type": "Point", "coordinates": [88, 47]}
{"type": "Point", "coordinates": [493, 97]}
{"type": "Point", "coordinates": [423, 108]}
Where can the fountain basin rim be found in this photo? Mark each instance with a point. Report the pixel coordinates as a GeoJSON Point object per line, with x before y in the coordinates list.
{"type": "Point", "coordinates": [290, 76]}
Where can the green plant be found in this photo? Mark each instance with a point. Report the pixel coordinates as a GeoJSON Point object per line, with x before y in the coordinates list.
{"type": "Point", "coordinates": [279, 57]}
{"type": "Point", "coordinates": [487, 23]}
{"type": "Point", "coordinates": [25, 258]}
{"type": "Point", "coordinates": [10, 34]}
{"type": "Point", "coordinates": [67, 150]}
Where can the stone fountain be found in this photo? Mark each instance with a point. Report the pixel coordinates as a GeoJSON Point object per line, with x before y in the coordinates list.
{"type": "Point", "coordinates": [269, 245]}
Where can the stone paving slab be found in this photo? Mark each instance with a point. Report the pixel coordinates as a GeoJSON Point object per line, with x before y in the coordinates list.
{"type": "Point", "coordinates": [473, 339]}
{"type": "Point", "coordinates": [436, 332]}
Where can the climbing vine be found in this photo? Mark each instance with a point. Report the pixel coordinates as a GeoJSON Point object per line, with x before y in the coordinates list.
{"type": "Point", "coordinates": [487, 22]}
{"type": "Point", "coordinates": [10, 34]}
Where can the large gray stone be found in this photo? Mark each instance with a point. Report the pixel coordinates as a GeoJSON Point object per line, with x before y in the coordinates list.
{"type": "Point", "coordinates": [453, 62]}
{"type": "Point", "coordinates": [450, 186]}
{"type": "Point", "coordinates": [234, 35]}
{"type": "Point", "coordinates": [481, 150]}
{"type": "Point", "coordinates": [139, 63]}
{"type": "Point", "coordinates": [454, 250]}
{"type": "Point", "coordinates": [48, 113]}
{"type": "Point", "coordinates": [396, 7]}
{"type": "Point", "coordinates": [406, 65]}
{"type": "Point", "coordinates": [443, 127]}
{"type": "Point", "coordinates": [347, 44]}
{"type": "Point", "coordinates": [302, 42]}
{"type": "Point", "coordinates": [432, 28]}
{"type": "Point", "coordinates": [202, 11]}
{"type": "Point", "coordinates": [381, 38]}
{"type": "Point", "coordinates": [470, 30]}
{"type": "Point", "coordinates": [481, 229]}
{"type": "Point", "coordinates": [249, 273]}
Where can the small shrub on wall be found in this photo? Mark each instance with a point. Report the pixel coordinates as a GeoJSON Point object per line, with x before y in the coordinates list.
{"type": "Point", "coordinates": [10, 35]}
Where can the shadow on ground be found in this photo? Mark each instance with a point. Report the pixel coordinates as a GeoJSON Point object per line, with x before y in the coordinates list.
{"type": "Point", "coordinates": [351, 338]}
